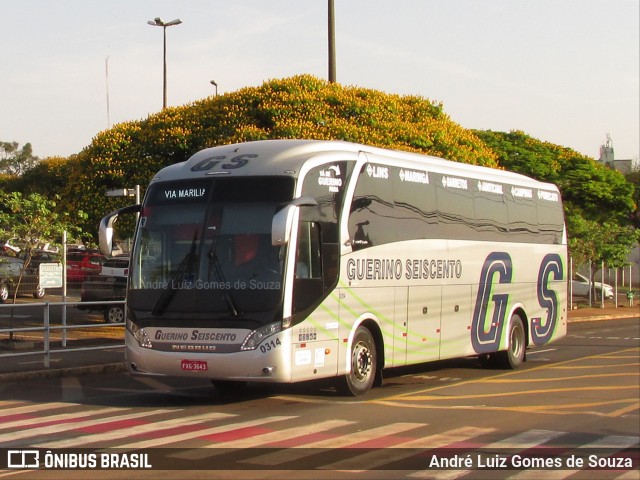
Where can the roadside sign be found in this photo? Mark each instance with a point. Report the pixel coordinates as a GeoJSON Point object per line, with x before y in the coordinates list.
{"type": "Point", "coordinates": [121, 192]}
{"type": "Point", "coordinates": [50, 275]}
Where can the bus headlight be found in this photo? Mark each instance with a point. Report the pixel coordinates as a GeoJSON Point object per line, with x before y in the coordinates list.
{"type": "Point", "coordinates": [255, 337]}
{"type": "Point", "coordinates": [139, 334]}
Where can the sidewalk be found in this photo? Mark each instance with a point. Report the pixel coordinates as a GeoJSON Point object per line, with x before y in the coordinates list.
{"type": "Point", "coordinates": [72, 363]}
{"type": "Point", "coordinates": [609, 312]}
{"type": "Point", "coordinates": [64, 364]}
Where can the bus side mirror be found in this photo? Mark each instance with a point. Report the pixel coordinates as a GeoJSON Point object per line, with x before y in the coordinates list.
{"type": "Point", "coordinates": [283, 220]}
{"type": "Point", "coordinates": [105, 232]}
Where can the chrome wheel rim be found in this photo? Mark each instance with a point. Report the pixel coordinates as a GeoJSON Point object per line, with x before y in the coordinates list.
{"type": "Point", "coordinates": [361, 361]}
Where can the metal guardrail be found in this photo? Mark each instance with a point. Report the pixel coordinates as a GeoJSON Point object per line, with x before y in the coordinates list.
{"type": "Point", "coordinates": [47, 328]}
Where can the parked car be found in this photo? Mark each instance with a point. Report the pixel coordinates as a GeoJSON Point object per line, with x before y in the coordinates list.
{"type": "Point", "coordinates": [580, 286]}
{"type": "Point", "coordinates": [115, 267]}
{"type": "Point", "coordinates": [10, 269]}
{"type": "Point", "coordinates": [110, 285]}
{"type": "Point", "coordinates": [82, 265]}
{"type": "Point", "coordinates": [7, 246]}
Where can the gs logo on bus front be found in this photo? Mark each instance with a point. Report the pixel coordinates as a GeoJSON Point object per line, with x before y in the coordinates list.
{"type": "Point", "coordinates": [498, 269]}
{"type": "Point", "coordinates": [237, 161]}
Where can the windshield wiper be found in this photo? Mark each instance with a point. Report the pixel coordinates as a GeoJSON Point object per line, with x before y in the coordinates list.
{"type": "Point", "coordinates": [184, 267]}
{"type": "Point", "coordinates": [216, 268]}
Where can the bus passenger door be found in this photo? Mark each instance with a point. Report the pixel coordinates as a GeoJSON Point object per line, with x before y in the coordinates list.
{"type": "Point", "coordinates": [423, 332]}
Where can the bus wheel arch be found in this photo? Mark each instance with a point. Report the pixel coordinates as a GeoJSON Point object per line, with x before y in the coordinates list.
{"type": "Point", "coordinates": [365, 361]}
{"type": "Point", "coordinates": [525, 323]}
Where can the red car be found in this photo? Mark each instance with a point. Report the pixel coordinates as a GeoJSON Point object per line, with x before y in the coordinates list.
{"type": "Point", "coordinates": [81, 266]}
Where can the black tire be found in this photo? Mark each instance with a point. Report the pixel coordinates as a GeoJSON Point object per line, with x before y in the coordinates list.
{"type": "Point", "coordinates": [4, 293]}
{"type": "Point", "coordinates": [513, 356]}
{"type": "Point", "coordinates": [39, 293]}
{"type": "Point", "coordinates": [364, 364]}
{"type": "Point", "coordinates": [114, 314]}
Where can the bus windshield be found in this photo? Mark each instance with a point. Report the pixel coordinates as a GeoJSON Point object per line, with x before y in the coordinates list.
{"type": "Point", "coordinates": [204, 246]}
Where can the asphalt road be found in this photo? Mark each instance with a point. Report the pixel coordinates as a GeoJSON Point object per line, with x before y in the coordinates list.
{"type": "Point", "coordinates": [573, 399]}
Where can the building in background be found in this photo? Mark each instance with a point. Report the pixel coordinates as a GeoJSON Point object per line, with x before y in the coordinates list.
{"type": "Point", "coordinates": [607, 158]}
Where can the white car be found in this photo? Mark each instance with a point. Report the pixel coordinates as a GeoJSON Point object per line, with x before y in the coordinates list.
{"type": "Point", "coordinates": [580, 287]}
{"type": "Point", "coordinates": [115, 267]}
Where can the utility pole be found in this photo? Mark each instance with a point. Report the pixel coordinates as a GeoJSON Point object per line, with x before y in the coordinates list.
{"type": "Point", "coordinates": [332, 43]}
{"type": "Point", "coordinates": [106, 62]}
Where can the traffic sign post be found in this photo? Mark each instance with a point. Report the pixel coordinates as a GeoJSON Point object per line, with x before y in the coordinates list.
{"type": "Point", "coordinates": [50, 275]}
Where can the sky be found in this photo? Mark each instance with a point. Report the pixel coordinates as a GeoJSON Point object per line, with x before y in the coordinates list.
{"type": "Point", "coordinates": [562, 71]}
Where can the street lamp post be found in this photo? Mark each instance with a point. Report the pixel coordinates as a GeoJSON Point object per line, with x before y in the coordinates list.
{"type": "Point", "coordinates": [213, 82]}
{"type": "Point", "coordinates": [158, 22]}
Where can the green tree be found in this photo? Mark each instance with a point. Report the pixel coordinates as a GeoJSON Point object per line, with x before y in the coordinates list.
{"type": "Point", "coordinates": [32, 221]}
{"type": "Point", "coordinates": [15, 160]}
{"type": "Point", "coordinates": [48, 177]}
{"type": "Point", "coordinates": [634, 179]}
{"type": "Point", "coordinates": [588, 189]}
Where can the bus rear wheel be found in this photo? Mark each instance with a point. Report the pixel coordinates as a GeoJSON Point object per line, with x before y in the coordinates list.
{"type": "Point", "coordinates": [513, 356]}
{"type": "Point", "coordinates": [364, 360]}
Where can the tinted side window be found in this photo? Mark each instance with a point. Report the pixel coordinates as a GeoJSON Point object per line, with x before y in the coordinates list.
{"type": "Point", "coordinates": [372, 217]}
{"type": "Point", "coordinates": [491, 211]}
{"type": "Point", "coordinates": [455, 207]}
{"type": "Point", "coordinates": [415, 204]}
{"type": "Point", "coordinates": [550, 217]}
{"type": "Point", "coordinates": [308, 261]}
{"type": "Point", "coordinates": [396, 204]}
{"type": "Point", "coordinates": [523, 215]}
{"type": "Point", "coordinates": [326, 184]}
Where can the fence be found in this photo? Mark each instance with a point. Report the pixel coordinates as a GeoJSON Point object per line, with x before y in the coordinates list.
{"type": "Point", "coordinates": [47, 328]}
{"type": "Point", "coordinates": [621, 283]}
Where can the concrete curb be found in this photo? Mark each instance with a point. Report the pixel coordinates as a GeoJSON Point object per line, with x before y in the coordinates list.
{"type": "Point", "coordinates": [597, 318]}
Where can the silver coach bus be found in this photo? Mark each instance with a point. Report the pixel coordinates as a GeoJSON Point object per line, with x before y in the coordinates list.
{"type": "Point", "coordinates": [291, 260]}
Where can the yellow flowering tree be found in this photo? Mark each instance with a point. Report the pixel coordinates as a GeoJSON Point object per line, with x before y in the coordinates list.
{"type": "Point", "coordinates": [299, 107]}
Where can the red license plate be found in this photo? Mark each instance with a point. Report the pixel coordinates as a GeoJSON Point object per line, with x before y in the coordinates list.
{"type": "Point", "coordinates": [194, 365]}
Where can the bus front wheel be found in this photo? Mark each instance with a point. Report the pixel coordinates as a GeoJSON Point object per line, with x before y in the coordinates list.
{"type": "Point", "coordinates": [513, 356]}
{"type": "Point", "coordinates": [364, 360]}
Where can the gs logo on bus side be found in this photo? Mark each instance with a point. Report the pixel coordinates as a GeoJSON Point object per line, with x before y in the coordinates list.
{"type": "Point", "coordinates": [498, 269]}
